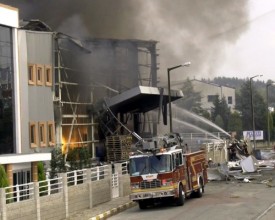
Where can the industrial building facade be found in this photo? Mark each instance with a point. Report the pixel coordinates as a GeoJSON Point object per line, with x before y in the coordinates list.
{"type": "Point", "coordinates": [210, 91]}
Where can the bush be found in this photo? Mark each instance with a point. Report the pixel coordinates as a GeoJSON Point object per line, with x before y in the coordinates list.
{"type": "Point", "coordinates": [4, 181]}
{"type": "Point", "coordinates": [57, 163]}
{"type": "Point", "coordinates": [79, 158]}
{"type": "Point", "coordinates": [43, 186]}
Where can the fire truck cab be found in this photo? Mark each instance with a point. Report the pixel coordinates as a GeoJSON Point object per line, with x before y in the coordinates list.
{"type": "Point", "coordinates": [162, 170]}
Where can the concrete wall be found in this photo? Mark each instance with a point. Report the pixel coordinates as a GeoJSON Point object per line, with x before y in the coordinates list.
{"type": "Point", "coordinates": [63, 204]}
{"type": "Point", "coordinates": [101, 191]}
{"type": "Point", "coordinates": [124, 185]}
{"type": "Point", "coordinates": [52, 207]}
{"type": "Point", "coordinates": [24, 210]}
{"type": "Point", "coordinates": [78, 197]}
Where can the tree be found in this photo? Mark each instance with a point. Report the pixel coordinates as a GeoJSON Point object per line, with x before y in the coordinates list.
{"type": "Point", "coordinates": [222, 110]}
{"type": "Point", "coordinates": [243, 104]}
{"type": "Point", "coordinates": [57, 162]}
{"type": "Point", "coordinates": [41, 171]}
{"type": "Point", "coordinates": [191, 100]}
{"type": "Point", "coordinates": [41, 177]}
{"type": "Point", "coordinates": [219, 121]}
{"type": "Point", "coordinates": [4, 181]}
{"type": "Point", "coordinates": [235, 123]}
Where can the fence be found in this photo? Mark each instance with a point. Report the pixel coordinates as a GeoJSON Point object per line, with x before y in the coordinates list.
{"type": "Point", "coordinates": [60, 197]}
{"type": "Point", "coordinates": [217, 151]}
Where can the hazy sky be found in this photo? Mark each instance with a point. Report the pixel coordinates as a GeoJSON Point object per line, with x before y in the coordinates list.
{"type": "Point", "coordinates": [254, 51]}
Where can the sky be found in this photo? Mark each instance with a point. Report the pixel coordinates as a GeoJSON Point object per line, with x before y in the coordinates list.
{"type": "Point", "coordinates": [254, 52]}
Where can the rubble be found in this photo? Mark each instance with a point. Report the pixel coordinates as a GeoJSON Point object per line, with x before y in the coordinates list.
{"type": "Point", "coordinates": [249, 164]}
{"type": "Point", "coordinates": [247, 169]}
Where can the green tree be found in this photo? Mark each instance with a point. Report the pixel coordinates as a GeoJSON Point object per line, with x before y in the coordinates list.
{"type": "Point", "coordinates": [191, 100]}
{"type": "Point", "coordinates": [235, 123]}
{"type": "Point", "coordinates": [4, 181]}
{"type": "Point", "coordinates": [221, 109]}
{"type": "Point", "coordinates": [41, 177]}
{"type": "Point", "coordinates": [41, 171]}
{"type": "Point", "coordinates": [243, 104]}
{"type": "Point", "coordinates": [219, 121]}
{"type": "Point", "coordinates": [57, 162]}
{"type": "Point", "coordinates": [78, 158]}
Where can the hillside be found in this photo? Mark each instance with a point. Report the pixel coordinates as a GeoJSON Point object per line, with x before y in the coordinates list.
{"type": "Point", "coordinates": [237, 83]}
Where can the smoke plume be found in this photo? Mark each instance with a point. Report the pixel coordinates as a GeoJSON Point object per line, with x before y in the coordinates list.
{"type": "Point", "coordinates": [187, 30]}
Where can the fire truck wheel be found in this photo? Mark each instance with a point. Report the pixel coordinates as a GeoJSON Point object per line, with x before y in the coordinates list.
{"type": "Point", "coordinates": [142, 204]}
{"type": "Point", "coordinates": [181, 199]}
{"type": "Point", "coordinates": [200, 190]}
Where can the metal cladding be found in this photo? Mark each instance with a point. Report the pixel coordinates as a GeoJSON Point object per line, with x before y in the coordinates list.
{"type": "Point", "coordinates": [141, 99]}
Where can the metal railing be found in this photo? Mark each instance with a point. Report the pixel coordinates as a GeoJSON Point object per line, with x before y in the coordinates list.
{"type": "Point", "coordinates": [50, 186]}
{"type": "Point", "coordinates": [76, 177]}
{"type": "Point", "coordinates": [19, 193]}
{"type": "Point", "coordinates": [99, 172]}
{"type": "Point", "coordinates": [124, 168]}
{"type": "Point", "coordinates": [47, 187]}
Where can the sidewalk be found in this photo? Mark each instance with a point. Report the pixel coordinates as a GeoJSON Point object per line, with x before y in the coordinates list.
{"type": "Point", "coordinates": [104, 210]}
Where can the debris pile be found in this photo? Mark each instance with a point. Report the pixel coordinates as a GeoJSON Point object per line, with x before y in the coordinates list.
{"type": "Point", "coordinates": [245, 169]}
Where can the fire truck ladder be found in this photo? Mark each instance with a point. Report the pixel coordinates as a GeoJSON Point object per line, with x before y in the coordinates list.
{"type": "Point", "coordinates": [111, 125]}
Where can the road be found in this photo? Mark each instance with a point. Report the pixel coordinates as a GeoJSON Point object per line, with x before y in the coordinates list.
{"type": "Point", "coordinates": [232, 200]}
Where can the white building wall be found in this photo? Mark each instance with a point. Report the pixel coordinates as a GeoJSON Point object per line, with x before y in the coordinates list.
{"type": "Point", "coordinates": [228, 92]}
{"type": "Point", "coordinates": [9, 16]}
{"type": "Point", "coordinates": [210, 89]}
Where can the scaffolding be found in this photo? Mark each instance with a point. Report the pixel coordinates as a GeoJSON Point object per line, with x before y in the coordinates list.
{"type": "Point", "coordinates": [82, 79]}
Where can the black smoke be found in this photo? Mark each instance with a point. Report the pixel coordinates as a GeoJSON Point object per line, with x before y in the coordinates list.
{"type": "Point", "coordinates": [187, 30]}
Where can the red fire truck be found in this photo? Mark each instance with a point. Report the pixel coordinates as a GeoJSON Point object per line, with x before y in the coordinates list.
{"type": "Point", "coordinates": [161, 169]}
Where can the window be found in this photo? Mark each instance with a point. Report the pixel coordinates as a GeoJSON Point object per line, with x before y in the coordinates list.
{"type": "Point", "coordinates": [33, 135]}
{"type": "Point", "coordinates": [212, 98]}
{"type": "Point", "coordinates": [42, 134]}
{"type": "Point", "coordinates": [51, 133]}
{"type": "Point", "coordinates": [178, 158]}
{"type": "Point", "coordinates": [40, 75]}
{"type": "Point", "coordinates": [229, 100]}
{"type": "Point", "coordinates": [32, 75]}
{"type": "Point", "coordinates": [7, 101]}
{"type": "Point", "coordinates": [48, 76]}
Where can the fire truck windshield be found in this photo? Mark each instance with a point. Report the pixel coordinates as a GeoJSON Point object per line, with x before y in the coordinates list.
{"type": "Point", "coordinates": [150, 164]}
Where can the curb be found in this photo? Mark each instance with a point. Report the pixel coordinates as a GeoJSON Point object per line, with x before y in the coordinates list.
{"type": "Point", "coordinates": [113, 211]}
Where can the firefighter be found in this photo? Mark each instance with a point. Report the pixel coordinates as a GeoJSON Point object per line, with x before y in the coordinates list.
{"type": "Point", "coordinates": [210, 163]}
{"type": "Point", "coordinates": [245, 148]}
{"type": "Point", "coordinates": [232, 152]}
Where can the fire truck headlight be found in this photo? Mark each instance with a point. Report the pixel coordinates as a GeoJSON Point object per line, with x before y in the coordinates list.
{"type": "Point", "coordinates": [135, 186]}
{"type": "Point", "coordinates": [167, 182]}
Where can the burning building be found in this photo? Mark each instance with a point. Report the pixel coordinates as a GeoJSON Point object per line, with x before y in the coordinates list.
{"type": "Point", "coordinates": [72, 93]}
{"type": "Point", "coordinates": [89, 74]}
